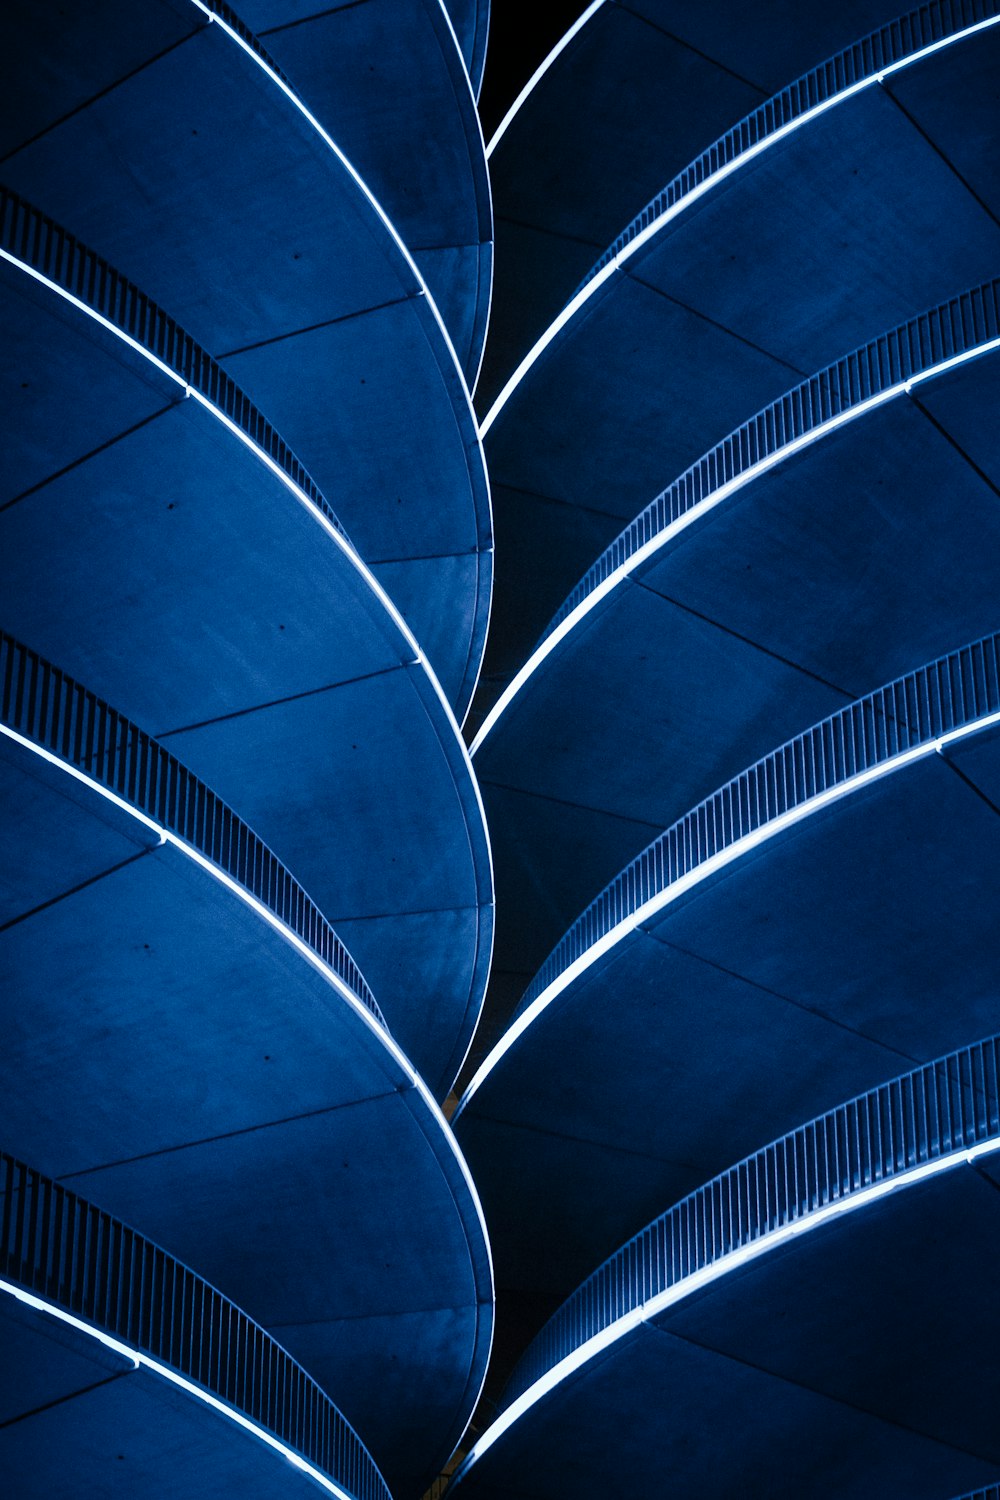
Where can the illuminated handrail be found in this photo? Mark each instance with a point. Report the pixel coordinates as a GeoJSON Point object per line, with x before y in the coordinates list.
{"type": "Point", "coordinates": [956, 327]}
{"type": "Point", "coordinates": [864, 60]}
{"type": "Point", "coordinates": [947, 1106]}
{"type": "Point", "coordinates": [49, 708]}
{"type": "Point", "coordinates": [913, 711]}
{"type": "Point", "coordinates": [87, 1264]}
{"type": "Point", "coordinates": [31, 238]}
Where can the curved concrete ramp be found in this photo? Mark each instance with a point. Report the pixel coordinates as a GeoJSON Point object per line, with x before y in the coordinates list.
{"type": "Point", "coordinates": [162, 137]}
{"type": "Point", "coordinates": [123, 1371]}
{"type": "Point", "coordinates": [204, 586]}
{"type": "Point", "coordinates": [820, 1320]}
{"type": "Point", "coordinates": [188, 1044]}
{"type": "Point", "coordinates": [581, 151]}
{"type": "Point", "coordinates": [387, 80]}
{"type": "Point", "coordinates": [842, 534]}
{"type": "Point", "coordinates": [857, 198]}
{"type": "Point", "coordinates": [785, 943]}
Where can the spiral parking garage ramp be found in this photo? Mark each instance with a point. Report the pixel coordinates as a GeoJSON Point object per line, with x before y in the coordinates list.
{"type": "Point", "coordinates": [186, 1040]}
{"type": "Point", "coordinates": [784, 943]}
{"type": "Point", "coordinates": [844, 532]}
{"type": "Point", "coordinates": [758, 1338]}
{"type": "Point", "coordinates": [857, 197]}
{"type": "Point", "coordinates": [124, 1371]}
{"type": "Point", "coordinates": [628, 97]}
{"type": "Point", "coordinates": [163, 137]}
{"type": "Point", "coordinates": [205, 587]}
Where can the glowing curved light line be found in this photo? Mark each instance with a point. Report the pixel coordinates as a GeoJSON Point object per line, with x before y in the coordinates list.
{"type": "Point", "coordinates": [706, 185]}
{"type": "Point", "coordinates": [383, 1036]}
{"type": "Point", "coordinates": [422, 288]}
{"type": "Point", "coordinates": [539, 73]}
{"type": "Point", "coordinates": [696, 512]}
{"type": "Point", "coordinates": [709, 867]}
{"type": "Point", "coordinates": [489, 201]}
{"type": "Point", "coordinates": [733, 1261]}
{"type": "Point", "coordinates": [417, 657]}
{"type": "Point", "coordinates": [307, 114]}
{"type": "Point", "coordinates": [140, 1360]}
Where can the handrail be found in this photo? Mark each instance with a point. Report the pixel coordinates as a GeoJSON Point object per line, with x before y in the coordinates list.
{"type": "Point", "coordinates": [912, 711]}
{"type": "Point", "coordinates": [946, 332]}
{"type": "Point", "coordinates": [947, 1106]}
{"type": "Point", "coordinates": [92, 1266]}
{"type": "Point", "coordinates": [48, 707]}
{"type": "Point", "coordinates": [30, 237]}
{"type": "Point", "coordinates": [864, 60]}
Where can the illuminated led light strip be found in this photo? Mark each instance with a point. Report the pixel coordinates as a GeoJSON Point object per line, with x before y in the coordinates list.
{"type": "Point", "coordinates": [489, 203]}
{"type": "Point", "coordinates": [734, 1260]}
{"type": "Point", "coordinates": [417, 657]}
{"type": "Point", "coordinates": [290, 94]}
{"type": "Point", "coordinates": [709, 867]}
{"type": "Point", "coordinates": [413, 1078]}
{"type": "Point", "coordinates": [696, 512]}
{"type": "Point", "coordinates": [707, 185]}
{"type": "Point", "coordinates": [140, 1360]}
{"type": "Point", "coordinates": [540, 72]}
{"type": "Point", "coordinates": [422, 290]}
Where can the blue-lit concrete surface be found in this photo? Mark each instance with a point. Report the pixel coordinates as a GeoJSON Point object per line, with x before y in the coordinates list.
{"type": "Point", "coordinates": [843, 534]}
{"type": "Point", "coordinates": [216, 604]}
{"type": "Point", "coordinates": [186, 1043]}
{"type": "Point", "coordinates": [785, 944]}
{"type": "Point", "coordinates": [624, 102]}
{"type": "Point", "coordinates": [387, 81]}
{"type": "Point", "coordinates": [865, 194]}
{"type": "Point", "coordinates": [471, 22]}
{"type": "Point", "coordinates": [160, 140]}
{"type": "Point", "coordinates": [820, 1320]}
{"type": "Point", "coordinates": [125, 1373]}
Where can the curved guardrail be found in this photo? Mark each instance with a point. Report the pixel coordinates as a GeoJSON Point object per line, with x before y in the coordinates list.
{"type": "Point", "coordinates": [64, 1250]}
{"type": "Point", "coordinates": [49, 708]}
{"type": "Point", "coordinates": [947, 1106]}
{"type": "Point", "coordinates": [914, 710]}
{"type": "Point", "coordinates": [30, 237]}
{"type": "Point", "coordinates": [863, 61]}
{"type": "Point", "coordinates": [946, 332]}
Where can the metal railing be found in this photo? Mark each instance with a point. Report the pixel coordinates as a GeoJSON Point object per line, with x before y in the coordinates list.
{"type": "Point", "coordinates": [956, 327]}
{"type": "Point", "coordinates": [39, 242]}
{"type": "Point", "coordinates": [914, 710]}
{"type": "Point", "coordinates": [946, 1106]}
{"type": "Point", "coordinates": [864, 59]}
{"type": "Point", "coordinates": [49, 708]}
{"type": "Point", "coordinates": [67, 1252]}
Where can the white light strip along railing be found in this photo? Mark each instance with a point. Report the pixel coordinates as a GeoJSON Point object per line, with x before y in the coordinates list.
{"type": "Point", "coordinates": [540, 72]}
{"type": "Point", "coordinates": [166, 836]}
{"type": "Point", "coordinates": [621, 257]}
{"type": "Point", "coordinates": [421, 289]}
{"type": "Point", "coordinates": [697, 511]}
{"type": "Point", "coordinates": [140, 1360]}
{"type": "Point", "coordinates": [733, 1261]}
{"type": "Point", "coordinates": [943, 1115]}
{"type": "Point", "coordinates": [839, 757]}
{"type": "Point", "coordinates": [415, 656]}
